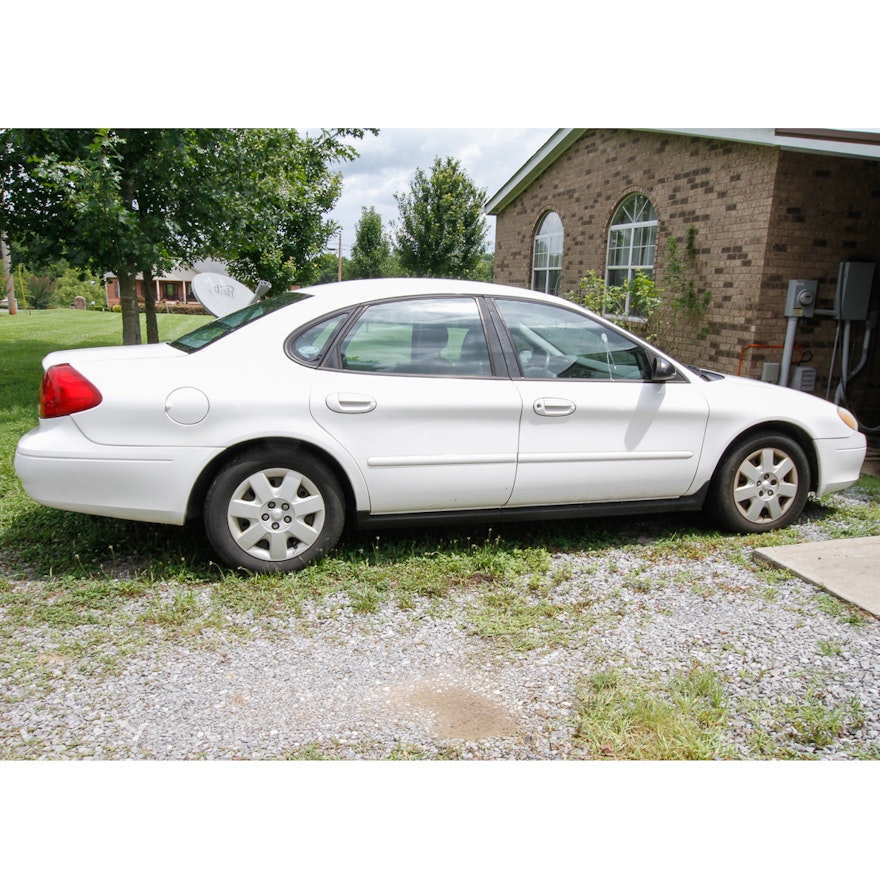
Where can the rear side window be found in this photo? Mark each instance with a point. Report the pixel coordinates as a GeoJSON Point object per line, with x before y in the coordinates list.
{"type": "Point", "coordinates": [439, 337]}
{"type": "Point", "coordinates": [310, 345]}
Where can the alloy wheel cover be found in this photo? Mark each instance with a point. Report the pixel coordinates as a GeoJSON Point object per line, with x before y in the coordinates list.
{"type": "Point", "coordinates": [765, 485]}
{"type": "Point", "coordinates": [276, 514]}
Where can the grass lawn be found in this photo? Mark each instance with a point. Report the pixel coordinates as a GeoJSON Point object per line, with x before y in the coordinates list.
{"type": "Point", "coordinates": [39, 541]}
{"type": "Point", "coordinates": [32, 536]}
{"type": "Point", "coordinates": [72, 572]}
{"type": "Point", "coordinates": [26, 338]}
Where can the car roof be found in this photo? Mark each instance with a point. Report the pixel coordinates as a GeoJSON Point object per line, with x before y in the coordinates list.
{"type": "Point", "coordinates": [345, 293]}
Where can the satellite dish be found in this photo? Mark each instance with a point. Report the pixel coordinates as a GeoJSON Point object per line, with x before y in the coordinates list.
{"type": "Point", "coordinates": [220, 294]}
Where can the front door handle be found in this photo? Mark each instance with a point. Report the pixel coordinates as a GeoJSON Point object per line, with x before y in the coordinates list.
{"type": "Point", "coordinates": [344, 402]}
{"type": "Point", "coordinates": [553, 406]}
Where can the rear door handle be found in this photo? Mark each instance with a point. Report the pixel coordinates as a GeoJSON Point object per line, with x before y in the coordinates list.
{"type": "Point", "coordinates": [343, 402]}
{"type": "Point", "coordinates": [553, 406]}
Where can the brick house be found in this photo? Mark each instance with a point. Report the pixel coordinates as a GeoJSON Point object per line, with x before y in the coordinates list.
{"type": "Point", "coordinates": [172, 288]}
{"type": "Point", "coordinates": [766, 205]}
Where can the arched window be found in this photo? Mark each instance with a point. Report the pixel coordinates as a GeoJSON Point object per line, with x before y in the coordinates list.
{"type": "Point", "coordinates": [547, 261]}
{"type": "Point", "coordinates": [632, 241]}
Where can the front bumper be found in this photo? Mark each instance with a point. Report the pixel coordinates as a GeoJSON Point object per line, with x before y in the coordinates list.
{"type": "Point", "coordinates": [840, 462]}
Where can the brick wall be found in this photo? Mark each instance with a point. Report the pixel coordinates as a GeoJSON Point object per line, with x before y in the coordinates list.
{"type": "Point", "coordinates": [827, 209]}
{"type": "Point", "coordinates": [724, 190]}
{"type": "Point", "coordinates": [761, 217]}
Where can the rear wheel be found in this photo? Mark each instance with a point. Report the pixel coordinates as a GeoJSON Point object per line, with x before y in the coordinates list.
{"type": "Point", "coordinates": [761, 485]}
{"type": "Point", "coordinates": [274, 510]}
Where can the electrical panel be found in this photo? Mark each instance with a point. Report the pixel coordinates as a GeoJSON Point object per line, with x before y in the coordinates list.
{"type": "Point", "coordinates": [770, 372]}
{"type": "Point", "coordinates": [803, 378]}
{"type": "Point", "coordinates": [801, 299]}
{"type": "Point", "coordinates": [853, 296]}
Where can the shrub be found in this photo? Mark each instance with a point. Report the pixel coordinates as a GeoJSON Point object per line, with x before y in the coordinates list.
{"type": "Point", "coordinates": [40, 292]}
{"type": "Point", "coordinates": [630, 304]}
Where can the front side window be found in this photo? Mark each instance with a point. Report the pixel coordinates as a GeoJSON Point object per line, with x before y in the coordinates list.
{"type": "Point", "coordinates": [557, 343]}
{"type": "Point", "coordinates": [439, 337]}
{"type": "Point", "coordinates": [632, 242]}
{"type": "Point", "coordinates": [547, 260]}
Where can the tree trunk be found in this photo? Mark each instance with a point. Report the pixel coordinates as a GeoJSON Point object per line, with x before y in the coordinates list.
{"type": "Point", "coordinates": [150, 306]}
{"type": "Point", "coordinates": [7, 272]}
{"type": "Point", "coordinates": [131, 321]}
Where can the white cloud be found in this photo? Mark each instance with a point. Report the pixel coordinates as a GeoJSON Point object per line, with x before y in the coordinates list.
{"type": "Point", "coordinates": [388, 163]}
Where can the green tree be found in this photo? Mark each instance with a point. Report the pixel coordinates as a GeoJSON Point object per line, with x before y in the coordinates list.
{"type": "Point", "coordinates": [71, 283]}
{"type": "Point", "coordinates": [145, 200]}
{"type": "Point", "coordinates": [67, 282]}
{"type": "Point", "coordinates": [327, 269]}
{"type": "Point", "coordinates": [285, 186]}
{"type": "Point", "coordinates": [96, 197]}
{"type": "Point", "coordinates": [485, 269]}
{"type": "Point", "coordinates": [371, 252]}
{"type": "Point", "coordinates": [442, 231]}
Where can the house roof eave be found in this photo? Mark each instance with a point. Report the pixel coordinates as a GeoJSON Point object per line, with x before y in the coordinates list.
{"type": "Point", "coordinates": [863, 144]}
{"type": "Point", "coordinates": [552, 148]}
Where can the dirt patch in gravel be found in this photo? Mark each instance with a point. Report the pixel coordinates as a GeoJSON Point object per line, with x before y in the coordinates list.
{"type": "Point", "coordinates": [456, 712]}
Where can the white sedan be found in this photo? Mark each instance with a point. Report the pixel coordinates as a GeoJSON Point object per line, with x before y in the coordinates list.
{"type": "Point", "coordinates": [410, 401]}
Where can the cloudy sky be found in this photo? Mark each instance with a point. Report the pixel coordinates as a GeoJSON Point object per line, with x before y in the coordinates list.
{"type": "Point", "coordinates": [389, 160]}
{"type": "Point", "coordinates": [428, 81]}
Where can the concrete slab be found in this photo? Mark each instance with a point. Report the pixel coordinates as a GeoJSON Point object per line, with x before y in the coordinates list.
{"type": "Point", "coordinates": [849, 568]}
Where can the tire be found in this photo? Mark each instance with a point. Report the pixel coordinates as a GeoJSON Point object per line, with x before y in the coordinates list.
{"type": "Point", "coordinates": [274, 510]}
{"type": "Point", "coordinates": [762, 484]}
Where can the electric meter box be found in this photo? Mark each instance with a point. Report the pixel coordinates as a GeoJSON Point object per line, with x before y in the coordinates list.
{"type": "Point", "coordinates": [801, 299]}
{"type": "Point", "coordinates": [853, 297]}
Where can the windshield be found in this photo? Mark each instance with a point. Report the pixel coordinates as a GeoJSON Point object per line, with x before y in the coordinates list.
{"type": "Point", "coordinates": [208, 333]}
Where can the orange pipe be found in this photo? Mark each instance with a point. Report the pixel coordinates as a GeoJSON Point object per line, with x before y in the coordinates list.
{"type": "Point", "coordinates": [798, 348]}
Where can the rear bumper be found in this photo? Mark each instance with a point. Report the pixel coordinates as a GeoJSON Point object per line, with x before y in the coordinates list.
{"type": "Point", "coordinates": [60, 468]}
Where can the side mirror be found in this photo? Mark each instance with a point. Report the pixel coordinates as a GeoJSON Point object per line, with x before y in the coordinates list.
{"type": "Point", "coordinates": [662, 370]}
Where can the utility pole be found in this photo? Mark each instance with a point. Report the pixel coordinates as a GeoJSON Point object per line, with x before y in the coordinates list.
{"type": "Point", "coordinates": [339, 259]}
{"type": "Point", "coordinates": [7, 271]}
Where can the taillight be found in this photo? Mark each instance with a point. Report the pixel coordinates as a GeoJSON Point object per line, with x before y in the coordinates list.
{"type": "Point", "coordinates": [66, 391]}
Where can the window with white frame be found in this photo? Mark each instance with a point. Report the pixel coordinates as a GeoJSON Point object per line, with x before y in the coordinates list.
{"type": "Point", "coordinates": [632, 242]}
{"type": "Point", "coordinates": [547, 260]}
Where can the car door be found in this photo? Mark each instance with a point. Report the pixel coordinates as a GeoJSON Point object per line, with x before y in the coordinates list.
{"type": "Point", "coordinates": [409, 391]}
{"type": "Point", "coordinates": [594, 426]}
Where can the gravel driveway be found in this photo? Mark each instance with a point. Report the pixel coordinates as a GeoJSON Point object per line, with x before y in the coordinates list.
{"type": "Point", "coordinates": [419, 683]}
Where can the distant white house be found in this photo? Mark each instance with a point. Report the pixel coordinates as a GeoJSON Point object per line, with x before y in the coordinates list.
{"type": "Point", "coordinates": [173, 287]}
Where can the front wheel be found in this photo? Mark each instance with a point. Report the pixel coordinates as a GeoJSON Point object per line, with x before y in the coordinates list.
{"type": "Point", "coordinates": [274, 510]}
{"type": "Point", "coordinates": [761, 485]}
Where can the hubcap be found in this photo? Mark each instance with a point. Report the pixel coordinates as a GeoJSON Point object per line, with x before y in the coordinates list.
{"type": "Point", "coordinates": [765, 485]}
{"type": "Point", "coordinates": [276, 514]}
